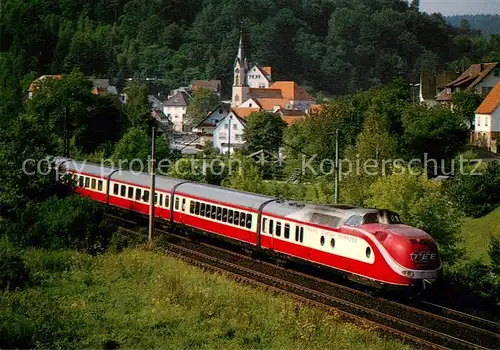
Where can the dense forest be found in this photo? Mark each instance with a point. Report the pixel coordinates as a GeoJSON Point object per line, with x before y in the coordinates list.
{"type": "Point", "coordinates": [487, 24]}
{"type": "Point", "coordinates": [333, 46]}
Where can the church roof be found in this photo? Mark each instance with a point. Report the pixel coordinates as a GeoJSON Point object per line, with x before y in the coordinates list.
{"type": "Point", "coordinates": [258, 93]}
{"type": "Point", "coordinates": [292, 91]}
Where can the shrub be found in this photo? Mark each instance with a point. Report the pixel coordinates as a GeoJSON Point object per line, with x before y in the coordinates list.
{"type": "Point", "coordinates": [13, 272]}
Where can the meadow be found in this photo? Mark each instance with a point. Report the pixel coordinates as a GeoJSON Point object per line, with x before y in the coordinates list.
{"type": "Point", "coordinates": [144, 299]}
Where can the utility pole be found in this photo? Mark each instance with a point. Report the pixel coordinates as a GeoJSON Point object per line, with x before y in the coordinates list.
{"type": "Point", "coordinates": [229, 137]}
{"type": "Point", "coordinates": [336, 193]}
{"type": "Point", "coordinates": [152, 188]}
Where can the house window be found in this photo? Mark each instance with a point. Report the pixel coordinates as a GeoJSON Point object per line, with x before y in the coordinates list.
{"type": "Point", "coordinates": [485, 121]}
{"type": "Point", "coordinates": [220, 111]}
{"type": "Point", "coordinates": [250, 105]}
{"type": "Point", "coordinates": [478, 121]}
{"type": "Point", "coordinates": [235, 126]}
{"type": "Point", "coordinates": [238, 137]}
{"type": "Point", "coordinates": [496, 72]}
{"type": "Point", "coordinates": [222, 136]}
{"type": "Point", "coordinates": [486, 90]}
{"type": "Point", "coordinates": [226, 126]}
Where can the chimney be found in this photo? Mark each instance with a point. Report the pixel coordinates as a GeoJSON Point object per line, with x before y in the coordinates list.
{"type": "Point", "coordinates": [481, 67]}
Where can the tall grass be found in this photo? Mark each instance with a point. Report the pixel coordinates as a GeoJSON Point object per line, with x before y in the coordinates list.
{"type": "Point", "coordinates": [140, 299]}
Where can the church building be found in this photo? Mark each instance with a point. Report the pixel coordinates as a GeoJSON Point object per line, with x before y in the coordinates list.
{"type": "Point", "coordinates": [254, 90]}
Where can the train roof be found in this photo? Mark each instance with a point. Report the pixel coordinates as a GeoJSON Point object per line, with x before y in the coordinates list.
{"type": "Point", "coordinates": [144, 179]}
{"type": "Point", "coordinates": [225, 195]}
{"type": "Point", "coordinates": [85, 167]}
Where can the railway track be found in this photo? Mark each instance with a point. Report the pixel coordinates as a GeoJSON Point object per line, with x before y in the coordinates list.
{"type": "Point", "coordinates": [425, 327]}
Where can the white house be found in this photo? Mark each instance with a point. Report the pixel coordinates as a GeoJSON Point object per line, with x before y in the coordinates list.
{"type": "Point", "coordinates": [487, 123]}
{"type": "Point", "coordinates": [259, 77]}
{"type": "Point", "coordinates": [228, 134]}
{"type": "Point", "coordinates": [204, 130]}
{"type": "Point", "coordinates": [175, 109]}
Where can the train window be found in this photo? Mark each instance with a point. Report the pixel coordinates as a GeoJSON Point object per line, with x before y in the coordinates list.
{"type": "Point", "coordinates": [219, 213]}
{"type": "Point", "coordinates": [264, 223]}
{"type": "Point", "coordinates": [167, 201]}
{"type": "Point", "coordinates": [202, 209]}
{"type": "Point", "coordinates": [287, 231]}
{"type": "Point", "coordinates": [271, 227]}
{"type": "Point", "coordinates": [230, 216]}
{"type": "Point", "coordinates": [214, 212]}
{"type": "Point", "coordinates": [130, 192]}
{"type": "Point", "coordinates": [94, 184]}
{"type": "Point", "coordinates": [236, 217]}
{"type": "Point", "coordinates": [249, 220]}
{"type": "Point", "coordinates": [123, 191]}
{"type": "Point", "coordinates": [332, 242]}
{"type": "Point", "coordinates": [368, 252]}
{"type": "Point", "coordinates": [325, 220]}
{"type": "Point", "coordinates": [322, 240]}
{"type": "Point", "coordinates": [99, 185]}
{"type": "Point", "coordinates": [138, 194]}
{"type": "Point", "coordinates": [301, 234]}
{"type": "Point", "coordinates": [354, 221]}
{"type": "Point", "coordinates": [161, 199]}
{"type": "Point", "coordinates": [224, 215]}
{"type": "Point", "coordinates": [191, 207]}
{"type": "Point", "coordinates": [242, 219]}
{"type": "Point", "coordinates": [87, 182]}
{"type": "Point", "coordinates": [278, 228]}
{"type": "Point", "coordinates": [177, 203]}
{"type": "Point", "coordinates": [145, 197]}
{"type": "Point", "coordinates": [81, 179]}
{"type": "Point", "coordinates": [297, 230]}
{"type": "Point", "coordinates": [156, 197]}
{"type": "Point", "coordinates": [208, 211]}
{"type": "Point", "coordinates": [116, 189]}
{"type": "Point", "coordinates": [197, 208]}
{"type": "Point", "coordinates": [183, 204]}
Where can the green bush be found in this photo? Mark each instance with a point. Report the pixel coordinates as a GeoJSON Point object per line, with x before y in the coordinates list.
{"type": "Point", "coordinates": [72, 222]}
{"type": "Point", "coordinates": [13, 272]}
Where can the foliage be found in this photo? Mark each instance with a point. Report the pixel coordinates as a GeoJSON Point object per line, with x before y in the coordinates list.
{"type": "Point", "coordinates": [13, 273]}
{"type": "Point", "coordinates": [133, 151]}
{"type": "Point", "coordinates": [263, 131]}
{"type": "Point", "coordinates": [355, 44]}
{"type": "Point", "coordinates": [421, 203]}
{"type": "Point", "coordinates": [475, 233]}
{"type": "Point", "coordinates": [203, 102]}
{"type": "Point", "coordinates": [73, 222]}
{"type": "Point", "coordinates": [476, 191]}
{"type": "Point", "coordinates": [494, 253]}
{"type": "Point", "coordinates": [488, 24]}
{"type": "Point", "coordinates": [137, 107]}
{"type": "Point", "coordinates": [243, 175]}
{"type": "Point", "coordinates": [465, 104]}
{"type": "Point", "coordinates": [435, 133]}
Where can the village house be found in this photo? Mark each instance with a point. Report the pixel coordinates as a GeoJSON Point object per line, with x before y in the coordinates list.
{"type": "Point", "coordinates": [205, 129]}
{"type": "Point", "coordinates": [228, 133]}
{"type": "Point", "coordinates": [480, 77]}
{"type": "Point", "coordinates": [487, 123]}
{"type": "Point", "coordinates": [175, 110]}
{"type": "Point", "coordinates": [431, 84]}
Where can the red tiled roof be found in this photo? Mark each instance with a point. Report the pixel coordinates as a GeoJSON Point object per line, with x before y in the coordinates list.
{"type": "Point", "coordinates": [292, 91]}
{"type": "Point", "coordinates": [268, 104]}
{"type": "Point", "coordinates": [473, 75]}
{"type": "Point", "coordinates": [266, 70]}
{"type": "Point", "coordinates": [244, 111]}
{"type": "Point", "coordinates": [491, 102]}
{"type": "Point", "coordinates": [214, 85]}
{"type": "Point", "coordinates": [257, 93]}
{"type": "Point", "coordinates": [33, 84]}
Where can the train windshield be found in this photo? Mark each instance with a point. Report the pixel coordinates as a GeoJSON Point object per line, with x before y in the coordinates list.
{"type": "Point", "coordinates": [382, 217]}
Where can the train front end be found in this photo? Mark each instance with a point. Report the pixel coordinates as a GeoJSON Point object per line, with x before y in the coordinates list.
{"type": "Point", "coordinates": [413, 253]}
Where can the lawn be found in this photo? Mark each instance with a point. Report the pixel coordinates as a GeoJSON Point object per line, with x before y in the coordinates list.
{"type": "Point", "coordinates": [141, 299]}
{"type": "Point", "coordinates": [477, 232]}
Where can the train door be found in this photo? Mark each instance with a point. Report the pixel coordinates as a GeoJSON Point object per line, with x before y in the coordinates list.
{"type": "Point", "coordinates": [180, 207]}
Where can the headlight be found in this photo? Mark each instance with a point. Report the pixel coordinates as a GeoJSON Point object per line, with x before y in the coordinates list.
{"type": "Point", "coordinates": [408, 273]}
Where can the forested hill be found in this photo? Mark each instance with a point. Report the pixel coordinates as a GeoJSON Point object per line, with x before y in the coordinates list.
{"type": "Point", "coordinates": [487, 24]}
{"type": "Point", "coordinates": [337, 46]}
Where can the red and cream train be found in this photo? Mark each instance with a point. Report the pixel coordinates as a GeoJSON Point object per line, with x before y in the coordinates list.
{"type": "Point", "coordinates": [369, 245]}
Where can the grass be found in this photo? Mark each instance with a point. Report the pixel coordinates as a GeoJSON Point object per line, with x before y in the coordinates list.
{"type": "Point", "coordinates": [477, 233]}
{"type": "Point", "coordinates": [140, 299]}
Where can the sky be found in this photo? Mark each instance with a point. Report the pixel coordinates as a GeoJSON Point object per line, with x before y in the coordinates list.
{"type": "Point", "coordinates": [460, 7]}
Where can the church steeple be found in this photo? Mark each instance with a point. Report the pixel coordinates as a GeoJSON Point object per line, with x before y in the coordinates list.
{"type": "Point", "coordinates": [240, 86]}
